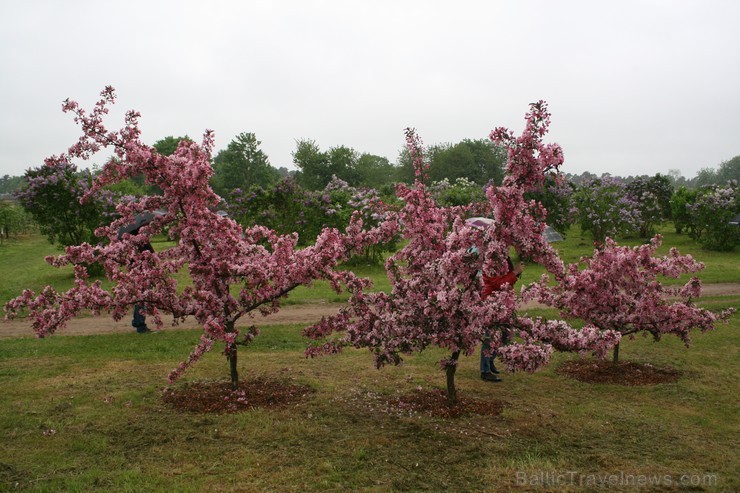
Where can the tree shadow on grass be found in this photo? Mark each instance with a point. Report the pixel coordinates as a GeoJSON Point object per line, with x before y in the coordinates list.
{"type": "Point", "coordinates": [428, 402]}
{"type": "Point", "coordinates": [433, 402]}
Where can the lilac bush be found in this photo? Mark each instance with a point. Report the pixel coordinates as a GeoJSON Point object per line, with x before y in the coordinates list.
{"type": "Point", "coordinates": [373, 212]}
{"type": "Point", "coordinates": [605, 209]}
{"type": "Point", "coordinates": [462, 192]}
{"type": "Point", "coordinates": [711, 215]}
{"type": "Point", "coordinates": [653, 198]}
{"type": "Point", "coordinates": [650, 212]}
{"type": "Point", "coordinates": [54, 198]}
{"type": "Point", "coordinates": [289, 208]}
{"type": "Point", "coordinates": [557, 197]}
{"type": "Point", "coordinates": [285, 208]}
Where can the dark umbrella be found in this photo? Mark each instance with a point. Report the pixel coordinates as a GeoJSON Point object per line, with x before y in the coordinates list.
{"type": "Point", "coordinates": [141, 219]}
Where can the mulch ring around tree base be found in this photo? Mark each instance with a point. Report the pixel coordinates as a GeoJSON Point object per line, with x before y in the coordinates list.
{"type": "Point", "coordinates": [218, 396]}
{"type": "Point", "coordinates": [434, 402]}
{"type": "Point", "coordinates": [622, 373]}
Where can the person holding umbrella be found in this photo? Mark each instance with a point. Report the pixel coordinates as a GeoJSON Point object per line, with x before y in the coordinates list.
{"type": "Point", "coordinates": [139, 319]}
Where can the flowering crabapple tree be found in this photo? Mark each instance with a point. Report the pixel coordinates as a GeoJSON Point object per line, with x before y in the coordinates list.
{"type": "Point", "coordinates": [619, 290]}
{"type": "Point", "coordinates": [235, 271]}
{"type": "Point", "coordinates": [435, 298]}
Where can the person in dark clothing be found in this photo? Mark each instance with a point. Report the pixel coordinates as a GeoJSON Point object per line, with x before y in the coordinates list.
{"type": "Point", "coordinates": [488, 370]}
{"type": "Point", "coordinates": [139, 320]}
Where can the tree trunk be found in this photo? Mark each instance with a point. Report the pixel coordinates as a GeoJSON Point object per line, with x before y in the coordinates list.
{"type": "Point", "coordinates": [615, 359]}
{"type": "Point", "coordinates": [451, 369]}
{"type": "Point", "coordinates": [232, 353]}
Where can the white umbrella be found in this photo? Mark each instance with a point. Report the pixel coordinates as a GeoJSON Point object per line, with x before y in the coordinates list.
{"type": "Point", "coordinates": [484, 222]}
{"type": "Point", "coordinates": [551, 235]}
{"type": "Point", "coordinates": [480, 222]}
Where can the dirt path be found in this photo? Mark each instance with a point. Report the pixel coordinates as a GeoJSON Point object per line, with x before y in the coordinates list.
{"type": "Point", "coordinates": [289, 314]}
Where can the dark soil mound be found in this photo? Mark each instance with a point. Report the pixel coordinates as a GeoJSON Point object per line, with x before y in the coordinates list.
{"type": "Point", "coordinates": [219, 397]}
{"type": "Point", "coordinates": [623, 373]}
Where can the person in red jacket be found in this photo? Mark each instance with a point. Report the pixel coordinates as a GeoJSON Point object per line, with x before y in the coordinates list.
{"type": "Point", "coordinates": [488, 370]}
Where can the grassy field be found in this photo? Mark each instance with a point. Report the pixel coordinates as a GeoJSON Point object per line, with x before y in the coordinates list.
{"type": "Point", "coordinates": [22, 266]}
{"type": "Point", "coordinates": [85, 413]}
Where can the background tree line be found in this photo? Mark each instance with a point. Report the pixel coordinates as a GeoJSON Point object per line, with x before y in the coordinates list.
{"type": "Point", "coordinates": [726, 172]}
{"type": "Point", "coordinates": [242, 164]}
{"type": "Point", "coordinates": [328, 184]}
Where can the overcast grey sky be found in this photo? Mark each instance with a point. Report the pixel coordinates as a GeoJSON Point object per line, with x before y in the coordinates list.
{"type": "Point", "coordinates": [635, 87]}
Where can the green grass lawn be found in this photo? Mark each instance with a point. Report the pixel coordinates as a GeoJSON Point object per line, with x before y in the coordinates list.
{"type": "Point", "coordinates": [84, 413]}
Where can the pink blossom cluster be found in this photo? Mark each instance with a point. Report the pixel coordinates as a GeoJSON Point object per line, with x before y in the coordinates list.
{"type": "Point", "coordinates": [234, 271]}
{"type": "Point", "coordinates": [561, 336]}
{"type": "Point", "coordinates": [525, 357]}
{"type": "Point", "coordinates": [619, 290]}
{"type": "Point", "coordinates": [529, 160]}
{"type": "Point", "coordinates": [201, 348]}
